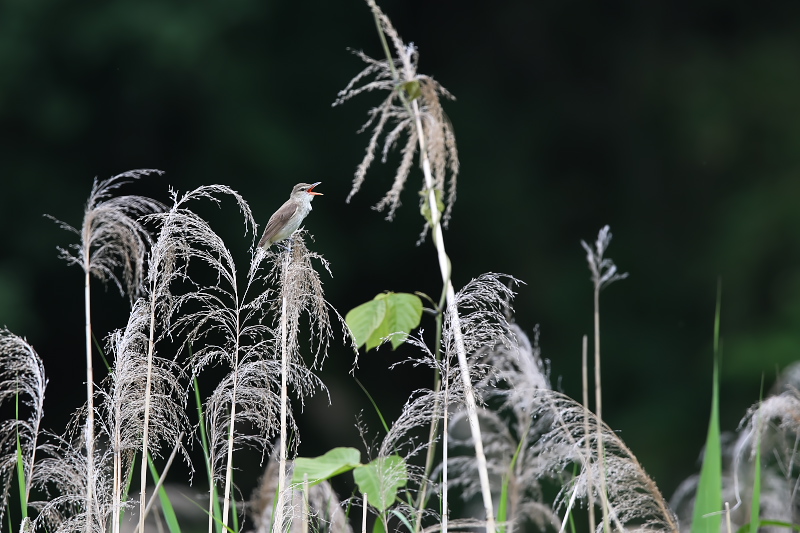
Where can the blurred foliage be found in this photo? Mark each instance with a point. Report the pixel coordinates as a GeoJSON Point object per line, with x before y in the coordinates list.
{"type": "Point", "coordinates": [677, 123]}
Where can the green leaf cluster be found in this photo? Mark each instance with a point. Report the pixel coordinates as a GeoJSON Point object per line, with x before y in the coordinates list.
{"type": "Point", "coordinates": [390, 314]}
{"type": "Point", "coordinates": [379, 479]}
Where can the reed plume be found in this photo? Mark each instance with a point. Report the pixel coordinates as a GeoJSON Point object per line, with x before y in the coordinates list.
{"type": "Point", "coordinates": [299, 292]}
{"type": "Point", "coordinates": [111, 237]}
{"type": "Point", "coordinates": [128, 402]}
{"type": "Point", "coordinates": [213, 319]}
{"type": "Point", "coordinates": [533, 434]}
{"type": "Point", "coordinates": [22, 379]}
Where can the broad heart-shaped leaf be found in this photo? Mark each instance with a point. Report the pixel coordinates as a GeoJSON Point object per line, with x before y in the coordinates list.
{"type": "Point", "coordinates": [402, 315]}
{"type": "Point", "coordinates": [380, 480]}
{"type": "Point", "coordinates": [365, 319]}
{"type": "Point", "coordinates": [326, 466]}
{"type": "Point", "coordinates": [387, 314]}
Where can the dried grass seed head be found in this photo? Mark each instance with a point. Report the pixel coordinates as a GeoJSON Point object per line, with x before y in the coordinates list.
{"type": "Point", "coordinates": [22, 379]}
{"type": "Point", "coordinates": [124, 392]}
{"type": "Point", "coordinates": [482, 304]}
{"type": "Point", "coordinates": [62, 478]}
{"type": "Point", "coordinates": [300, 286]}
{"type": "Point", "coordinates": [186, 238]}
{"type": "Point", "coordinates": [112, 235]}
{"type": "Point", "coordinates": [413, 108]}
{"type": "Point", "coordinates": [604, 271]}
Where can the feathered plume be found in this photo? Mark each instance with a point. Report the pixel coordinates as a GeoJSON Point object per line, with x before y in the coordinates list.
{"type": "Point", "coordinates": [111, 237]}
{"type": "Point", "coordinates": [394, 117]}
{"type": "Point", "coordinates": [22, 380]}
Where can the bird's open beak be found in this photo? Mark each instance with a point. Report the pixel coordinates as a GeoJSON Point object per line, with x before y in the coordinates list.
{"type": "Point", "coordinates": [311, 189]}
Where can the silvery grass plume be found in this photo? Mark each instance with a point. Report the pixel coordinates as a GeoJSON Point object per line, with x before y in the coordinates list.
{"type": "Point", "coordinates": [217, 322]}
{"type": "Point", "coordinates": [300, 284]}
{"type": "Point", "coordinates": [411, 108]}
{"type": "Point", "coordinates": [512, 437]}
{"type": "Point", "coordinates": [316, 509]}
{"type": "Point", "coordinates": [183, 239]}
{"type": "Point", "coordinates": [773, 425]}
{"type": "Point", "coordinates": [111, 237]}
{"type": "Point", "coordinates": [124, 397]}
{"type": "Point", "coordinates": [633, 500]}
{"type": "Point", "coordinates": [299, 292]}
{"type": "Point", "coordinates": [481, 306]}
{"type": "Point", "coordinates": [22, 380]}
{"type": "Point", "coordinates": [546, 430]}
{"type": "Point", "coordinates": [63, 477]}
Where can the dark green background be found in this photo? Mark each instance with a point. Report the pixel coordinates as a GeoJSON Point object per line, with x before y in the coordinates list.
{"type": "Point", "coordinates": [676, 122]}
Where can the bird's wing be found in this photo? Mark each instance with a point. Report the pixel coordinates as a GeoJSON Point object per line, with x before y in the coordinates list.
{"type": "Point", "coordinates": [277, 221]}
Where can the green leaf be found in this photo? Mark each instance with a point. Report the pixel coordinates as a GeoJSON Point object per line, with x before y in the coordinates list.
{"type": "Point", "coordinates": [709, 488]}
{"type": "Point", "coordinates": [332, 463]}
{"type": "Point", "coordinates": [403, 314]}
{"type": "Point", "coordinates": [365, 319]}
{"type": "Point", "coordinates": [381, 330]}
{"type": "Point", "coordinates": [389, 314]}
{"type": "Point", "coordinates": [380, 480]}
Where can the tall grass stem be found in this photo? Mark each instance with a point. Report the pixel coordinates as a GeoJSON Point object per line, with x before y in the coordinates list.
{"type": "Point", "coordinates": [586, 429]}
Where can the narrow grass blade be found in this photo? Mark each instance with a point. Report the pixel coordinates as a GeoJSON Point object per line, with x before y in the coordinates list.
{"type": "Point", "coordinates": [708, 501]}
{"type": "Point", "coordinates": [207, 457]}
{"type": "Point", "coordinates": [205, 511]}
{"type": "Point", "coordinates": [502, 508]}
{"type": "Point", "coordinates": [166, 505]}
{"type": "Point", "coordinates": [99, 348]}
{"type": "Point", "coordinates": [375, 405]}
{"type": "Point", "coordinates": [23, 500]}
{"type": "Point", "coordinates": [400, 516]}
{"type": "Point", "coordinates": [764, 523]}
{"type": "Point", "coordinates": [22, 482]}
{"type": "Point", "coordinates": [127, 490]}
{"type": "Point", "coordinates": [234, 514]}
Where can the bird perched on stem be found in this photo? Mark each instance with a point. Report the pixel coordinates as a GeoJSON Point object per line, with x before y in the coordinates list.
{"type": "Point", "coordinates": [290, 215]}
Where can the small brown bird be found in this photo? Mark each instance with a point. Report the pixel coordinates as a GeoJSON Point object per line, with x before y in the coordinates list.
{"type": "Point", "coordinates": [290, 215]}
